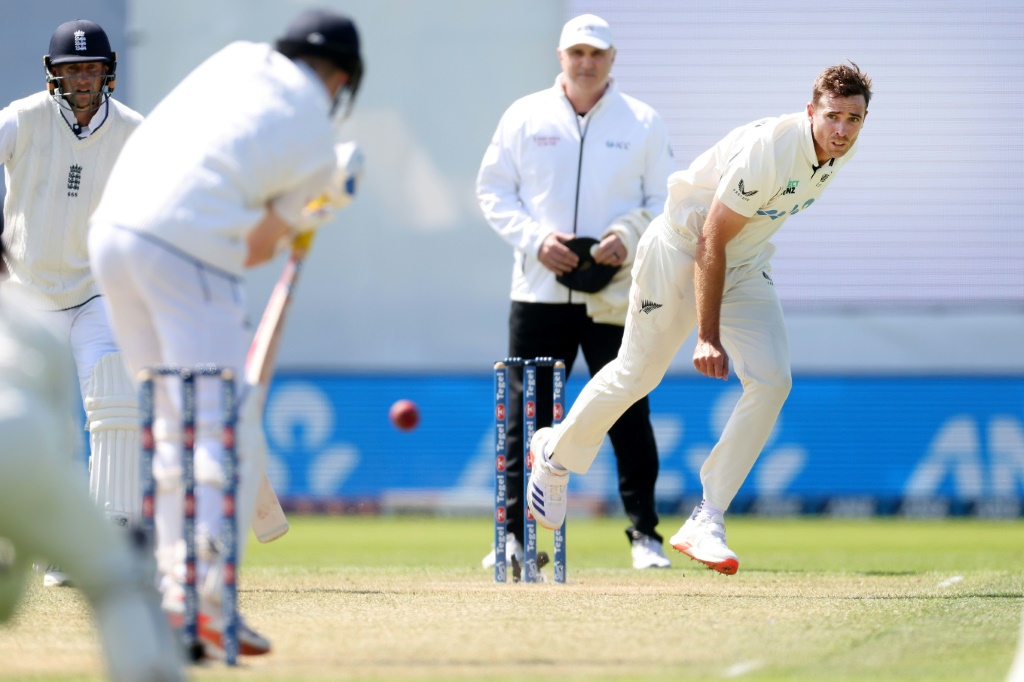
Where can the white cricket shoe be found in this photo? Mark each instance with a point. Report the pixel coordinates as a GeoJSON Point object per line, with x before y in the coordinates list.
{"type": "Point", "coordinates": [54, 577]}
{"type": "Point", "coordinates": [702, 538]}
{"type": "Point", "coordinates": [546, 491]}
{"type": "Point", "coordinates": [513, 552]}
{"type": "Point", "coordinates": [647, 552]}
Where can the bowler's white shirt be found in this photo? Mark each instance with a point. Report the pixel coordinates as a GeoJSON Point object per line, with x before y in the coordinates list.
{"type": "Point", "coordinates": [766, 170]}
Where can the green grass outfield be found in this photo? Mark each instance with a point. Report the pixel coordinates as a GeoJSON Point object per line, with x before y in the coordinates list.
{"type": "Point", "coordinates": [404, 598]}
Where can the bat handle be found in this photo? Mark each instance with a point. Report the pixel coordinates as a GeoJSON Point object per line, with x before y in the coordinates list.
{"type": "Point", "coordinates": [302, 242]}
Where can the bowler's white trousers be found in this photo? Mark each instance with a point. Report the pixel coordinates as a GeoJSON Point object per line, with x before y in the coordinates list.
{"type": "Point", "coordinates": [662, 313]}
{"type": "Point", "coordinates": [169, 308]}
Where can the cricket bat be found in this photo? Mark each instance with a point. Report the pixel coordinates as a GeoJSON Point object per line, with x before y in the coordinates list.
{"type": "Point", "coordinates": [269, 521]}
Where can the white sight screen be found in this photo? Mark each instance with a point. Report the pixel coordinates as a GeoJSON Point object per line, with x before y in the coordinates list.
{"type": "Point", "coordinates": [929, 214]}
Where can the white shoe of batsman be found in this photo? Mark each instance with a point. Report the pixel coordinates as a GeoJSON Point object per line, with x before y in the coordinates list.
{"type": "Point", "coordinates": [546, 491]}
{"type": "Point", "coordinates": [211, 625]}
{"type": "Point", "coordinates": [54, 577]}
{"type": "Point", "coordinates": [211, 634]}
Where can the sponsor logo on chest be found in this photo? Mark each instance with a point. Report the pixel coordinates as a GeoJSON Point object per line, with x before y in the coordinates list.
{"type": "Point", "coordinates": [546, 140]}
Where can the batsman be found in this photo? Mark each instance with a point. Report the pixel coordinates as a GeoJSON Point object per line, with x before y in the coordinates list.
{"type": "Point", "coordinates": [58, 147]}
{"type": "Point", "coordinates": [217, 180]}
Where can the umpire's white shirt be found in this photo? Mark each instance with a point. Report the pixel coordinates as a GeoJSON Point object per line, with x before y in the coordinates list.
{"type": "Point", "coordinates": [548, 170]}
{"type": "Point", "coordinates": [246, 128]}
{"type": "Point", "coordinates": [766, 170]}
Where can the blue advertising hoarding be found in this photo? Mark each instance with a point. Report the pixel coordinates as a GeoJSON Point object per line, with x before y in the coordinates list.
{"type": "Point", "coordinates": [860, 444]}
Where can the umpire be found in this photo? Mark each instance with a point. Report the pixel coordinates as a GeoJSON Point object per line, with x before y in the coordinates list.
{"type": "Point", "coordinates": [571, 179]}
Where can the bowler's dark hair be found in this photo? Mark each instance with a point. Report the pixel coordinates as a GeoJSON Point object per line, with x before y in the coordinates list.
{"type": "Point", "coordinates": [842, 81]}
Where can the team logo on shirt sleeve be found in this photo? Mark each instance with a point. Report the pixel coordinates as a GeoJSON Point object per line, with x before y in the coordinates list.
{"type": "Point", "coordinates": [742, 192]}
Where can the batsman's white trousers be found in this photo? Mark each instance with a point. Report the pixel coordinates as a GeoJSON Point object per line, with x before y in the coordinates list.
{"type": "Point", "coordinates": [662, 313]}
{"type": "Point", "coordinates": [88, 332]}
{"type": "Point", "coordinates": [168, 308]}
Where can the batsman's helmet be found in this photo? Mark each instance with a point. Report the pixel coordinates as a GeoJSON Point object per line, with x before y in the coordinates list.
{"type": "Point", "coordinates": [80, 40]}
{"type": "Point", "coordinates": [328, 35]}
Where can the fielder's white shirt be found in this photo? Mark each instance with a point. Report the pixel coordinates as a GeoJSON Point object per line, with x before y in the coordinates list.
{"type": "Point", "coordinates": [246, 128]}
{"type": "Point", "coordinates": [547, 170]}
{"type": "Point", "coordinates": [766, 170]}
{"type": "Point", "coordinates": [54, 182]}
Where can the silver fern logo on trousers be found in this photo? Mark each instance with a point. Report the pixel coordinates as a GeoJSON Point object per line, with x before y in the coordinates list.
{"type": "Point", "coordinates": [648, 307]}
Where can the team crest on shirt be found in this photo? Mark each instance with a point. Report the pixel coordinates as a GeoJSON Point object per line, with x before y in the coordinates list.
{"type": "Point", "coordinates": [74, 179]}
{"type": "Point", "coordinates": [742, 192]}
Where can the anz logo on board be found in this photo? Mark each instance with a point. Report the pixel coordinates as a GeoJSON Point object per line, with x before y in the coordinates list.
{"type": "Point", "coordinates": [301, 417]}
{"type": "Point", "coordinates": [980, 459]}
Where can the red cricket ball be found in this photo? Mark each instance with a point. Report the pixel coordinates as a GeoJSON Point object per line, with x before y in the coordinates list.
{"type": "Point", "coordinates": [404, 415]}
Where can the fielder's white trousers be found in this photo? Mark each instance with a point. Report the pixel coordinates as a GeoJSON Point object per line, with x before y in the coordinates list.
{"type": "Point", "coordinates": [662, 313]}
{"type": "Point", "coordinates": [168, 308]}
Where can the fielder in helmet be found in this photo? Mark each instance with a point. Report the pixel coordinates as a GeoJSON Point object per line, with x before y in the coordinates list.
{"type": "Point", "coordinates": [58, 147]}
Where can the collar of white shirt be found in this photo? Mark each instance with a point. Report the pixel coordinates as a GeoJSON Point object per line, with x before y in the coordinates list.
{"type": "Point", "coordinates": [84, 131]}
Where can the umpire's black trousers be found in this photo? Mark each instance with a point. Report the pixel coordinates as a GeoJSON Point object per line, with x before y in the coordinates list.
{"type": "Point", "coordinates": [559, 330]}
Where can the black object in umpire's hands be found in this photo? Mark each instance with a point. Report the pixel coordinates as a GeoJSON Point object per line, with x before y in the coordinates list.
{"type": "Point", "coordinates": [589, 276]}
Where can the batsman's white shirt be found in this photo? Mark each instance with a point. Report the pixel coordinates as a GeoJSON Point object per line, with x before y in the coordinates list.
{"type": "Point", "coordinates": [768, 171]}
{"type": "Point", "coordinates": [246, 128]}
{"type": "Point", "coordinates": [54, 181]}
